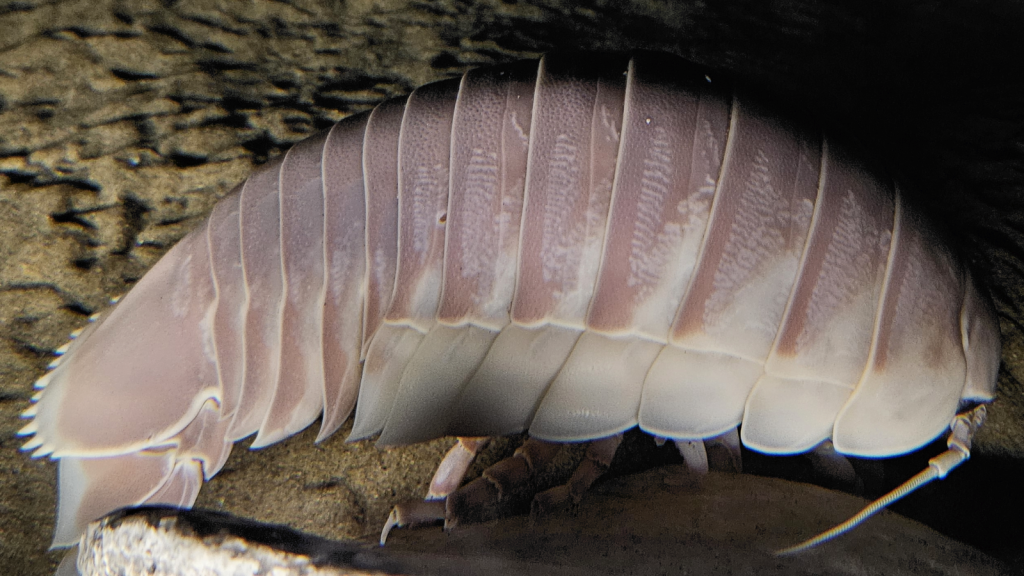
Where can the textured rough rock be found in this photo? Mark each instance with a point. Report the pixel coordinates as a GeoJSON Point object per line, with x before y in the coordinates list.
{"type": "Point", "coordinates": [121, 123]}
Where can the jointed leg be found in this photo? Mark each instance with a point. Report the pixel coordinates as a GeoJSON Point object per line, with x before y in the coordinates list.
{"type": "Point", "coordinates": [505, 487]}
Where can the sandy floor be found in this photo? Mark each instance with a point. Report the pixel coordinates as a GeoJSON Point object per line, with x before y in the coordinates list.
{"type": "Point", "coordinates": [121, 123]}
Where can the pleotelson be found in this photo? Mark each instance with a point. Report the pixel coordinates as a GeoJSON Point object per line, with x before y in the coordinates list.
{"type": "Point", "coordinates": [564, 248]}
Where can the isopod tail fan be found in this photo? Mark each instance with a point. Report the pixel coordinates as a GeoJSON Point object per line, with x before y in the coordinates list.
{"type": "Point", "coordinates": [96, 411]}
{"type": "Point", "coordinates": [169, 474]}
{"type": "Point", "coordinates": [91, 396]}
{"type": "Point", "coordinates": [145, 403]}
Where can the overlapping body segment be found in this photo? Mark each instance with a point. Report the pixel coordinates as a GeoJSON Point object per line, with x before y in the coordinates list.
{"type": "Point", "coordinates": [561, 248]}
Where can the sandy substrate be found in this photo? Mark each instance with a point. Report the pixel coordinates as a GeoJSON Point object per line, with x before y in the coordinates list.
{"type": "Point", "coordinates": [121, 123]}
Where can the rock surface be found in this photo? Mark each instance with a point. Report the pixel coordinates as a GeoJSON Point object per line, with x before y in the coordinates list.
{"type": "Point", "coordinates": [658, 522]}
{"type": "Point", "coordinates": [121, 123]}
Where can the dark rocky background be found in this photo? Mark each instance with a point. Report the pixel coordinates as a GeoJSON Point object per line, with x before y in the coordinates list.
{"type": "Point", "coordinates": [122, 122]}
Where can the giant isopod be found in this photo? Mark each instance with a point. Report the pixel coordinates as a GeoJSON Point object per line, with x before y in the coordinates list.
{"type": "Point", "coordinates": [558, 247]}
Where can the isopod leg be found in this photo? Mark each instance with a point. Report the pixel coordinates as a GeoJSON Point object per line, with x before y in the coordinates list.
{"type": "Point", "coordinates": [520, 478]}
{"type": "Point", "coordinates": [452, 468]}
{"type": "Point", "coordinates": [503, 487]}
{"type": "Point", "coordinates": [834, 469]}
{"type": "Point", "coordinates": [507, 487]}
{"type": "Point", "coordinates": [720, 452]}
{"type": "Point", "coordinates": [447, 478]}
{"type": "Point", "coordinates": [694, 454]}
{"type": "Point", "coordinates": [413, 513]}
{"type": "Point", "coordinates": [595, 464]}
{"type": "Point", "coordinates": [485, 498]}
{"type": "Point", "coordinates": [728, 445]}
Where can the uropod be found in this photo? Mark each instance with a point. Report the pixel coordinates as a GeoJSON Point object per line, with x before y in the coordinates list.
{"type": "Point", "coordinates": [558, 247]}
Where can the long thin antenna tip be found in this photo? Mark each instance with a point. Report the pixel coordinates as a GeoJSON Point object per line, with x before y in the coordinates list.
{"type": "Point", "coordinates": [962, 431]}
{"type": "Point", "coordinates": [920, 479]}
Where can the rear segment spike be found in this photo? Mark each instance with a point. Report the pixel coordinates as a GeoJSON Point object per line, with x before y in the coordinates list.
{"type": "Point", "coordinates": [28, 429]}
{"type": "Point", "coordinates": [962, 428]}
{"type": "Point", "coordinates": [43, 381]}
{"type": "Point", "coordinates": [32, 444]}
{"type": "Point", "coordinates": [44, 450]}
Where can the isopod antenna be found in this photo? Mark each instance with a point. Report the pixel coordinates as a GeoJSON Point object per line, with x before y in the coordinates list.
{"type": "Point", "coordinates": [962, 430]}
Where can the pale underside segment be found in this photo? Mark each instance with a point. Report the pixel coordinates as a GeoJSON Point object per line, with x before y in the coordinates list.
{"type": "Point", "coordinates": [728, 269]}
{"type": "Point", "coordinates": [488, 157]}
{"type": "Point", "coordinates": [910, 390]}
{"type": "Point", "coordinates": [423, 167]}
{"type": "Point", "coordinates": [826, 335]}
{"type": "Point", "coordinates": [424, 158]}
{"type": "Point", "coordinates": [574, 147]}
{"type": "Point", "coordinates": [746, 268]}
